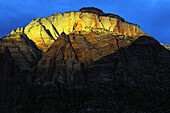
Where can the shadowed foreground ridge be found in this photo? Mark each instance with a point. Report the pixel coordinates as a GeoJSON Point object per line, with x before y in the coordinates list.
{"type": "Point", "coordinates": [83, 71]}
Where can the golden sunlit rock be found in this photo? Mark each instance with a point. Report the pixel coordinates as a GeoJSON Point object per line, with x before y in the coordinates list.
{"type": "Point", "coordinates": [44, 31]}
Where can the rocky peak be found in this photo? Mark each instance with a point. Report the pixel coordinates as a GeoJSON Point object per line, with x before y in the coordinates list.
{"type": "Point", "coordinates": [92, 10]}
{"type": "Point", "coordinates": [100, 12]}
{"type": "Point", "coordinates": [18, 30]}
{"type": "Point", "coordinates": [44, 31]}
{"type": "Point", "coordinates": [22, 49]}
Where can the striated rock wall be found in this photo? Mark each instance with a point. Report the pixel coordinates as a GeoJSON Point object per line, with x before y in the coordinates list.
{"type": "Point", "coordinates": [44, 31]}
{"type": "Point", "coordinates": [24, 51]}
{"type": "Point", "coordinates": [116, 68]}
{"type": "Point", "coordinates": [100, 12]}
{"type": "Point", "coordinates": [75, 52]}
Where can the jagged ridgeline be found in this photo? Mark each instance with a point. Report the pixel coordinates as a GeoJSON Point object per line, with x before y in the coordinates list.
{"type": "Point", "coordinates": [83, 61]}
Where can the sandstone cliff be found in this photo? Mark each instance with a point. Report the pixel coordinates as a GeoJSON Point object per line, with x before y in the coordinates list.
{"type": "Point", "coordinates": [22, 49]}
{"type": "Point", "coordinates": [74, 52]}
{"type": "Point", "coordinates": [105, 67]}
{"type": "Point", "coordinates": [44, 31]}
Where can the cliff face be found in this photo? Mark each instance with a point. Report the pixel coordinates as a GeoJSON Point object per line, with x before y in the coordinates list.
{"type": "Point", "coordinates": [114, 54]}
{"type": "Point", "coordinates": [44, 31]}
{"type": "Point", "coordinates": [100, 13]}
{"type": "Point", "coordinates": [85, 61]}
{"type": "Point", "coordinates": [75, 52]}
{"type": "Point", "coordinates": [6, 63]}
{"type": "Point", "coordinates": [105, 67]}
{"type": "Point", "coordinates": [22, 49]}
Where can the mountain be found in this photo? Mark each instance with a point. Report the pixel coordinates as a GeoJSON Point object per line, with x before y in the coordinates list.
{"type": "Point", "coordinates": [83, 61]}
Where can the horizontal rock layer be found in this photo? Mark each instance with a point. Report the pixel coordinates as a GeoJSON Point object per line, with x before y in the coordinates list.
{"type": "Point", "coordinates": [44, 31]}
{"type": "Point", "coordinates": [23, 50]}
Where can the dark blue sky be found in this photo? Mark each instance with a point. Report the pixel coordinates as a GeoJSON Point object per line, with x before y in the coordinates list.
{"type": "Point", "coordinates": [152, 15]}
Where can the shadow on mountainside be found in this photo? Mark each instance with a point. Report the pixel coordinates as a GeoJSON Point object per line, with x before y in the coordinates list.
{"type": "Point", "coordinates": [132, 79]}
{"type": "Point", "coordinates": [135, 78]}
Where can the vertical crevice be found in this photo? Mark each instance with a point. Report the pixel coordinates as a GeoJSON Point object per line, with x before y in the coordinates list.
{"type": "Point", "coordinates": [42, 37]}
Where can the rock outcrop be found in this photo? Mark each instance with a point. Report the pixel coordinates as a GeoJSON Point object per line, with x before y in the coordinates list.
{"type": "Point", "coordinates": [75, 52]}
{"type": "Point", "coordinates": [166, 46]}
{"type": "Point", "coordinates": [44, 31]}
{"type": "Point", "coordinates": [6, 63]}
{"type": "Point", "coordinates": [100, 13]}
{"type": "Point", "coordinates": [109, 66]}
{"type": "Point", "coordinates": [22, 49]}
{"type": "Point", "coordinates": [92, 10]}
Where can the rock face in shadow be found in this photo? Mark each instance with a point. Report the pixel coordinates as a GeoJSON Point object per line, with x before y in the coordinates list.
{"type": "Point", "coordinates": [23, 50]}
{"type": "Point", "coordinates": [6, 62]}
{"type": "Point", "coordinates": [18, 59]}
{"type": "Point", "coordinates": [145, 60]}
{"type": "Point", "coordinates": [138, 73]}
{"type": "Point", "coordinates": [96, 72]}
{"type": "Point", "coordinates": [75, 52]}
{"type": "Point", "coordinates": [132, 72]}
